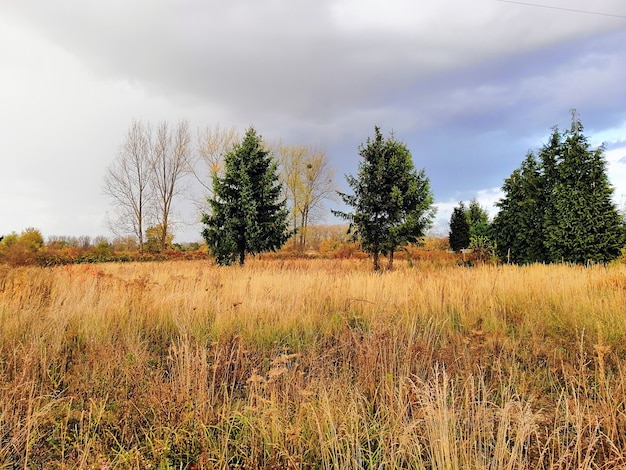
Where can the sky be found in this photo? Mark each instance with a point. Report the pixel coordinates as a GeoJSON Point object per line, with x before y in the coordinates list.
{"type": "Point", "coordinates": [469, 87]}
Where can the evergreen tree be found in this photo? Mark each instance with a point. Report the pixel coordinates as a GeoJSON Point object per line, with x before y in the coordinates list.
{"type": "Point", "coordinates": [459, 236]}
{"type": "Point", "coordinates": [247, 214]}
{"type": "Point", "coordinates": [585, 225]}
{"type": "Point", "coordinates": [559, 208]}
{"type": "Point", "coordinates": [392, 201]}
{"type": "Point", "coordinates": [518, 227]}
{"type": "Point", "coordinates": [478, 220]}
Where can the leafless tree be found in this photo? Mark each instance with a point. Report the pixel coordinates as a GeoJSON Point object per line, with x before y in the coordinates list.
{"type": "Point", "coordinates": [128, 182]}
{"type": "Point", "coordinates": [213, 144]}
{"type": "Point", "coordinates": [171, 158]}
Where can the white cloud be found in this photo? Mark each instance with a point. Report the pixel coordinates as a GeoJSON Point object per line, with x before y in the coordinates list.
{"type": "Point", "coordinates": [468, 85]}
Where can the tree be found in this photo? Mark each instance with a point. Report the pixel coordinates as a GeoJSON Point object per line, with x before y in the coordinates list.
{"type": "Point", "coordinates": [559, 207]}
{"type": "Point", "coordinates": [518, 227]}
{"type": "Point", "coordinates": [392, 201]}
{"type": "Point", "coordinates": [247, 215]}
{"type": "Point", "coordinates": [171, 158]}
{"type": "Point", "coordinates": [459, 236]}
{"type": "Point", "coordinates": [478, 220]}
{"type": "Point", "coordinates": [213, 144]}
{"type": "Point", "coordinates": [308, 180]}
{"type": "Point", "coordinates": [145, 179]}
{"type": "Point", "coordinates": [154, 242]}
{"type": "Point", "coordinates": [127, 182]}
{"type": "Point", "coordinates": [587, 226]}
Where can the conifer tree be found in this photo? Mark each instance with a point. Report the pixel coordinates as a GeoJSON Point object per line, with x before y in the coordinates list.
{"type": "Point", "coordinates": [558, 208]}
{"type": "Point", "coordinates": [586, 224]}
{"type": "Point", "coordinates": [459, 236]}
{"type": "Point", "coordinates": [478, 220]}
{"type": "Point", "coordinates": [518, 227]}
{"type": "Point", "coordinates": [247, 213]}
{"type": "Point", "coordinates": [392, 201]}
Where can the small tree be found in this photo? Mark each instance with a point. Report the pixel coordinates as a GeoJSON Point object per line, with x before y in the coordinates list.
{"type": "Point", "coordinates": [392, 201]}
{"type": "Point", "coordinates": [247, 213]}
{"type": "Point", "coordinates": [459, 236]}
{"type": "Point", "coordinates": [478, 220]}
{"type": "Point", "coordinates": [308, 180]}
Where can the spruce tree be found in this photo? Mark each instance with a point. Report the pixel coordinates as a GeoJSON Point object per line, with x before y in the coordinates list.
{"type": "Point", "coordinates": [558, 208]}
{"type": "Point", "coordinates": [392, 201]}
{"type": "Point", "coordinates": [459, 236]}
{"type": "Point", "coordinates": [247, 215]}
{"type": "Point", "coordinates": [517, 229]}
{"type": "Point", "coordinates": [585, 224]}
{"type": "Point", "coordinates": [478, 220]}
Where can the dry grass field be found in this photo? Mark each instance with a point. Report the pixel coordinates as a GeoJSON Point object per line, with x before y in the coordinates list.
{"type": "Point", "coordinates": [312, 364]}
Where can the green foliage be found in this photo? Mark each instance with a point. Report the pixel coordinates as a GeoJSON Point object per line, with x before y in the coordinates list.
{"type": "Point", "coordinates": [518, 227]}
{"type": "Point", "coordinates": [478, 220]}
{"type": "Point", "coordinates": [559, 209]}
{"type": "Point", "coordinates": [467, 224]}
{"type": "Point", "coordinates": [247, 214]}
{"type": "Point", "coordinates": [392, 201]}
{"type": "Point", "coordinates": [459, 236]}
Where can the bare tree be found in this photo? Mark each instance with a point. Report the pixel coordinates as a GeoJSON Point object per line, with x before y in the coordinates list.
{"type": "Point", "coordinates": [128, 182]}
{"type": "Point", "coordinates": [171, 159]}
{"type": "Point", "coordinates": [309, 181]}
{"type": "Point", "coordinates": [213, 144]}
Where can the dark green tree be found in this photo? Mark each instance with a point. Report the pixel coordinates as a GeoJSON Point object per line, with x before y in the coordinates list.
{"type": "Point", "coordinates": [247, 215]}
{"type": "Point", "coordinates": [392, 201]}
{"type": "Point", "coordinates": [558, 208]}
{"type": "Point", "coordinates": [517, 229]}
{"type": "Point", "coordinates": [459, 236]}
{"type": "Point", "coordinates": [585, 224]}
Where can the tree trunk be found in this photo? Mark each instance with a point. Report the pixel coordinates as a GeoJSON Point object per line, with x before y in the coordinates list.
{"type": "Point", "coordinates": [390, 262]}
{"type": "Point", "coordinates": [242, 257]}
{"type": "Point", "coordinates": [376, 261]}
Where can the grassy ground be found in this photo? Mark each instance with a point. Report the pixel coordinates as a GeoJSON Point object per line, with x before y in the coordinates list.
{"type": "Point", "coordinates": [312, 364]}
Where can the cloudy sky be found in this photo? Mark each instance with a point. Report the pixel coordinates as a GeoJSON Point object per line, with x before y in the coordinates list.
{"type": "Point", "coordinates": [470, 87]}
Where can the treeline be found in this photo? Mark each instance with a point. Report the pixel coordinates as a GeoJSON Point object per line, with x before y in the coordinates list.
{"type": "Point", "coordinates": [261, 197]}
{"type": "Point", "coordinates": [29, 248]}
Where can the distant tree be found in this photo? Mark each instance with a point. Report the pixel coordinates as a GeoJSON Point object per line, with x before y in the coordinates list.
{"type": "Point", "coordinates": [171, 159]}
{"type": "Point", "coordinates": [128, 182]}
{"type": "Point", "coordinates": [478, 220]}
{"type": "Point", "coordinates": [247, 213]}
{"type": "Point", "coordinates": [459, 236]}
{"type": "Point", "coordinates": [308, 180]}
{"type": "Point", "coordinates": [392, 201]}
{"type": "Point", "coordinates": [21, 250]}
{"type": "Point", "coordinates": [213, 144]}
{"type": "Point", "coordinates": [154, 241]}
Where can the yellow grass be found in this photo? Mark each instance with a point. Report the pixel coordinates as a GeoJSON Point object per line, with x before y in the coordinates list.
{"type": "Point", "coordinates": [312, 364]}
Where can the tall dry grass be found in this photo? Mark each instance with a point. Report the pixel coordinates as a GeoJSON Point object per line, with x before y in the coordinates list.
{"type": "Point", "coordinates": [312, 364]}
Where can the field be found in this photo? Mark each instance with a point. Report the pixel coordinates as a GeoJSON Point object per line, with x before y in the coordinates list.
{"type": "Point", "coordinates": [312, 364]}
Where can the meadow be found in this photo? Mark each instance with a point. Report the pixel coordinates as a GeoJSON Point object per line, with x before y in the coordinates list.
{"type": "Point", "coordinates": [312, 364]}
